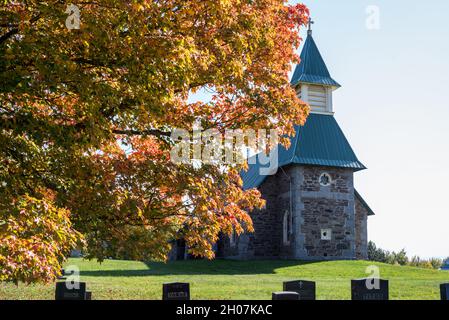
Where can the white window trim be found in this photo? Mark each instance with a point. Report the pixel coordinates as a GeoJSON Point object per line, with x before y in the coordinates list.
{"type": "Point", "coordinates": [328, 237]}
{"type": "Point", "coordinates": [287, 221]}
{"type": "Point", "coordinates": [330, 179]}
{"type": "Point", "coordinates": [232, 239]}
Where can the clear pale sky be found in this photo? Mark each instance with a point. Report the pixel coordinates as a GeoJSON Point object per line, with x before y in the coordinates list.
{"type": "Point", "coordinates": [394, 109]}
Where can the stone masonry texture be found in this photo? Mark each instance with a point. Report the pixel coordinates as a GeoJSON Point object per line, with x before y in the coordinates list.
{"type": "Point", "coordinates": [313, 207]}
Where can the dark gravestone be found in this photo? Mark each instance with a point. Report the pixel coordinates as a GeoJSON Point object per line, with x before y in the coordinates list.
{"type": "Point", "coordinates": [176, 291]}
{"type": "Point", "coordinates": [285, 295]}
{"type": "Point", "coordinates": [88, 295]}
{"type": "Point", "coordinates": [365, 289]}
{"type": "Point", "coordinates": [70, 291]}
{"type": "Point", "coordinates": [305, 289]}
{"type": "Point", "coordinates": [444, 290]}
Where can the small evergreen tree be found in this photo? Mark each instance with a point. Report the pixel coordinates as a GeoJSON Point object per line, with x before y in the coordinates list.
{"type": "Point", "coordinates": [401, 257]}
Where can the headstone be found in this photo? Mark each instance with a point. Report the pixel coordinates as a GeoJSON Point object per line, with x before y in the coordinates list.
{"type": "Point", "coordinates": [305, 289]}
{"type": "Point", "coordinates": [70, 291]}
{"type": "Point", "coordinates": [176, 291]}
{"type": "Point", "coordinates": [88, 295]}
{"type": "Point", "coordinates": [367, 289]}
{"type": "Point", "coordinates": [285, 295]}
{"type": "Point", "coordinates": [444, 289]}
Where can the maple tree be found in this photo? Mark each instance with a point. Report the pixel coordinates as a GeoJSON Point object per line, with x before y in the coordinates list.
{"type": "Point", "coordinates": [86, 116]}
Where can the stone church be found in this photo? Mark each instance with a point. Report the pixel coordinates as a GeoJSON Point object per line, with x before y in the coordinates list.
{"type": "Point", "coordinates": [313, 211]}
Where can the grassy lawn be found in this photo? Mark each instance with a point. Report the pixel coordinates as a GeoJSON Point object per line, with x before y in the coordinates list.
{"type": "Point", "coordinates": [234, 280]}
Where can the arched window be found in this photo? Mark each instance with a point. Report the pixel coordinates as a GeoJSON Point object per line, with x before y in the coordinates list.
{"type": "Point", "coordinates": [287, 227]}
{"type": "Point", "coordinates": [233, 239]}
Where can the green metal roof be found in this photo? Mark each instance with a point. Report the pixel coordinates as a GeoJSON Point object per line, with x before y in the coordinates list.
{"type": "Point", "coordinates": [319, 142]}
{"type": "Point", "coordinates": [312, 68]}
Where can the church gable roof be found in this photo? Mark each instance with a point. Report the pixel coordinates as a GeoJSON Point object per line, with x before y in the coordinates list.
{"type": "Point", "coordinates": [312, 68]}
{"type": "Point", "coordinates": [319, 142]}
{"type": "Point", "coordinates": [363, 202]}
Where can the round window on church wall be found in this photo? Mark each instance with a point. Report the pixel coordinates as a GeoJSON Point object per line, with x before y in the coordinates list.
{"type": "Point", "coordinates": [325, 179]}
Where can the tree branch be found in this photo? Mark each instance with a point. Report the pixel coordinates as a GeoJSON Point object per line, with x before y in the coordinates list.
{"type": "Point", "coordinates": [15, 31]}
{"type": "Point", "coordinates": [151, 132]}
{"type": "Point", "coordinates": [8, 35]}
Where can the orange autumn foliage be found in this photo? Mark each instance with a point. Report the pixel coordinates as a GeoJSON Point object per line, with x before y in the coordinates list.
{"type": "Point", "coordinates": [86, 117]}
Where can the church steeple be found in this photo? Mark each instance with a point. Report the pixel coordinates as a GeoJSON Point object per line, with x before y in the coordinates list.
{"type": "Point", "coordinates": [312, 79]}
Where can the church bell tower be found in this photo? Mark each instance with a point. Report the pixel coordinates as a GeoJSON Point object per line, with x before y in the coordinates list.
{"type": "Point", "coordinates": [312, 80]}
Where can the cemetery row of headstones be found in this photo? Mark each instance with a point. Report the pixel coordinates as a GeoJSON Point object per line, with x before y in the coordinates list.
{"type": "Point", "coordinates": [363, 289]}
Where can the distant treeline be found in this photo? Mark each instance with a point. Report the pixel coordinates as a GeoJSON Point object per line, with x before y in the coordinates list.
{"type": "Point", "coordinates": [401, 258]}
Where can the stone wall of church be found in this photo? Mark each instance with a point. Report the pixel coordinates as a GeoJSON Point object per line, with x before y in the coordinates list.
{"type": "Point", "coordinates": [322, 213]}
{"type": "Point", "coordinates": [361, 227]}
{"type": "Point", "coordinates": [326, 207]}
{"type": "Point", "coordinates": [266, 241]}
{"type": "Point", "coordinates": [313, 207]}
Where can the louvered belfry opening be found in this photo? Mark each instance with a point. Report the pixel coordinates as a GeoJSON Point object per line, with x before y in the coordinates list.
{"type": "Point", "coordinates": [317, 98]}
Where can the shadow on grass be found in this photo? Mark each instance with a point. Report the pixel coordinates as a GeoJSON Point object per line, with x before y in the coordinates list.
{"type": "Point", "coordinates": [200, 267]}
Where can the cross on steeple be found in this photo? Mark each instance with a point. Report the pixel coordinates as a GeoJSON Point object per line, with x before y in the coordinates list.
{"type": "Point", "coordinates": [309, 31]}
